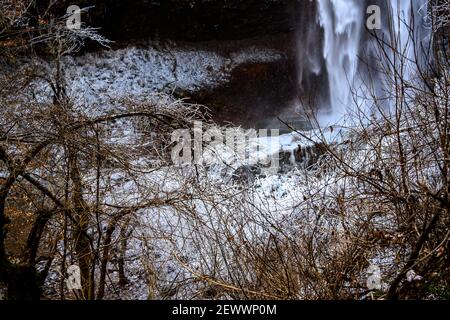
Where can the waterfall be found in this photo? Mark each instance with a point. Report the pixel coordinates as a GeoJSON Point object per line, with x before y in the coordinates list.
{"type": "Point", "coordinates": [343, 26]}
{"type": "Point", "coordinates": [342, 22]}
{"type": "Point", "coordinates": [404, 16]}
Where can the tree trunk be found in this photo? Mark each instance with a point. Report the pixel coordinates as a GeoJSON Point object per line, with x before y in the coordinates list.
{"type": "Point", "coordinates": [82, 216]}
{"type": "Point", "coordinates": [124, 234]}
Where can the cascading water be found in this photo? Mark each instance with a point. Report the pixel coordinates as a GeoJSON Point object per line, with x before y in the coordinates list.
{"type": "Point", "coordinates": [341, 21]}
{"type": "Point", "coordinates": [408, 14]}
{"type": "Point", "coordinates": [343, 25]}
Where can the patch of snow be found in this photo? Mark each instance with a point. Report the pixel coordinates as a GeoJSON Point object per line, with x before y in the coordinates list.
{"type": "Point", "coordinates": [97, 78]}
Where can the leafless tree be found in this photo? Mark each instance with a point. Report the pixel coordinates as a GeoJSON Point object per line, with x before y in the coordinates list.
{"type": "Point", "coordinates": [58, 160]}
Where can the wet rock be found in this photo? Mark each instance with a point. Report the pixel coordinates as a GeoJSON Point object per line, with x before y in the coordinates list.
{"type": "Point", "coordinates": [309, 155]}
{"type": "Point", "coordinates": [257, 92]}
{"type": "Point", "coordinates": [303, 156]}
{"type": "Point", "coordinates": [246, 174]}
{"type": "Point", "coordinates": [190, 19]}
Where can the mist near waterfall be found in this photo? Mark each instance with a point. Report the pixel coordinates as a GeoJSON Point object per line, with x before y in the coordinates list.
{"type": "Point", "coordinates": [347, 54]}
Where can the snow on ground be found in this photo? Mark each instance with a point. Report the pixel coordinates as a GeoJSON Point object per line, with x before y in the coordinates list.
{"type": "Point", "coordinates": [95, 79]}
{"type": "Point", "coordinates": [166, 237]}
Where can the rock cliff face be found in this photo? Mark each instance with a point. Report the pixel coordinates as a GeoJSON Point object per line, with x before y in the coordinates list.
{"type": "Point", "coordinates": [257, 91]}
{"type": "Point", "coordinates": [187, 19]}
{"type": "Point", "coordinates": [195, 19]}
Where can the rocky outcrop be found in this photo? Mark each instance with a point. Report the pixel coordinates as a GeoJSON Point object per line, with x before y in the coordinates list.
{"type": "Point", "coordinates": [185, 19]}
{"type": "Point", "coordinates": [194, 19]}
{"type": "Point", "coordinates": [306, 157]}
{"type": "Point", "coordinates": [257, 91]}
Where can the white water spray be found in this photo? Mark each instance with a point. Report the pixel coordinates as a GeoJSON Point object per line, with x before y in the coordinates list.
{"type": "Point", "coordinates": [343, 23]}
{"type": "Point", "coordinates": [405, 17]}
